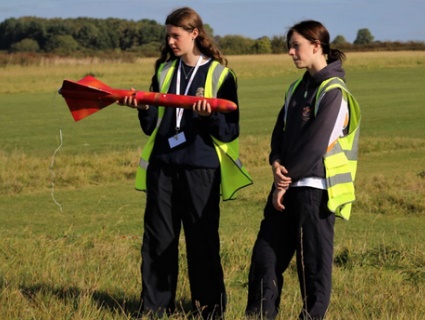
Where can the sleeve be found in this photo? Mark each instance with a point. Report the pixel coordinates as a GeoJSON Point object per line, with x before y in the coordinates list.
{"type": "Point", "coordinates": [316, 138]}
{"type": "Point", "coordinates": [277, 137]}
{"type": "Point", "coordinates": [148, 118]}
{"type": "Point", "coordinates": [225, 126]}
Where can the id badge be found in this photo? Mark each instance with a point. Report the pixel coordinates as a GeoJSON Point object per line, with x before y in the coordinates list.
{"type": "Point", "coordinates": [176, 140]}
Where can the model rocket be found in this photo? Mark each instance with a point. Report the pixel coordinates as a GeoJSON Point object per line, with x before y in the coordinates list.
{"type": "Point", "coordinates": [90, 95]}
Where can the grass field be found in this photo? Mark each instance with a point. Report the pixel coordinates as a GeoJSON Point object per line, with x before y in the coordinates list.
{"type": "Point", "coordinates": [71, 221]}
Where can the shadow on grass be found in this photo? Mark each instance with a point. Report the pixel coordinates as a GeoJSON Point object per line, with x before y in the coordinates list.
{"type": "Point", "coordinates": [128, 307]}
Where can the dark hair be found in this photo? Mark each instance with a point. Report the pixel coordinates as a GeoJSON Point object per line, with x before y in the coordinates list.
{"type": "Point", "coordinates": [315, 31]}
{"type": "Point", "coordinates": [189, 19]}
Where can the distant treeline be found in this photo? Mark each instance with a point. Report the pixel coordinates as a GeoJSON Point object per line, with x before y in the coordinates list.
{"type": "Point", "coordinates": [113, 37]}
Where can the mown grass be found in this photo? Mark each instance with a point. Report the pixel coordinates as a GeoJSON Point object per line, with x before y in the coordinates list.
{"type": "Point", "coordinates": [79, 258]}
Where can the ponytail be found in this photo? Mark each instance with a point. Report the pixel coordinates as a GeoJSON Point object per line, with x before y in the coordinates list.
{"type": "Point", "coordinates": [335, 54]}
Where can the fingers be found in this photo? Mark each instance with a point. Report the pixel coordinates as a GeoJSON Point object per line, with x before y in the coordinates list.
{"type": "Point", "coordinates": [278, 206]}
{"type": "Point", "coordinates": [282, 181]}
{"type": "Point", "coordinates": [279, 169]}
{"type": "Point", "coordinates": [129, 101]}
{"type": "Point", "coordinates": [282, 184]}
{"type": "Point", "coordinates": [278, 199]}
{"type": "Point", "coordinates": [202, 107]}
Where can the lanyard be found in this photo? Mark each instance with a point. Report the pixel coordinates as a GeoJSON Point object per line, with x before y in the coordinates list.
{"type": "Point", "coordinates": [179, 111]}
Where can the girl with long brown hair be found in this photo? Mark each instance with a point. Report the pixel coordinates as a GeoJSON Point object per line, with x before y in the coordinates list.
{"type": "Point", "coordinates": [184, 169]}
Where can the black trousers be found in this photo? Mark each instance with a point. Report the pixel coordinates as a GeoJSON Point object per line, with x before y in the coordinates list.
{"type": "Point", "coordinates": [190, 197]}
{"type": "Point", "coordinates": [304, 228]}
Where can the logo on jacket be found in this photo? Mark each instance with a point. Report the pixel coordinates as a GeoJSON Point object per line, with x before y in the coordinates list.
{"type": "Point", "coordinates": [200, 92]}
{"type": "Point", "coordinates": [306, 114]}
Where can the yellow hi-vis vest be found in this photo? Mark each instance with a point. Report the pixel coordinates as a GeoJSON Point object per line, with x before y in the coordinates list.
{"type": "Point", "coordinates": [233, 175]}
{"type": "Point", "coordinates": [340, 161]}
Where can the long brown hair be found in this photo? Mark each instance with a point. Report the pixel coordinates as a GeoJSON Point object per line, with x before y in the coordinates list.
{"type": "Point", "coordinates": [315, 31]}
{"type": "Point", "coordinates": [189, 19]}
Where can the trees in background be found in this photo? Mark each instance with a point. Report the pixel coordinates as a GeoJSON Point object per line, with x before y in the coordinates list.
{"type": "Point", "coordinates": [144, 38]}
{"type": "Point", "coordinates": [339, 40]}
{"type": "Point", "coordinates": [79, 34]}
{"type": "Point", "coordinates": [364, 36]}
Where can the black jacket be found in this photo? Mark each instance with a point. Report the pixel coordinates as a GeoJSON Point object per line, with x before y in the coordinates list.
{"type": "Point", "coordinates": [301, 147]}
{"type": "Point", "coordinates": [198, 150]}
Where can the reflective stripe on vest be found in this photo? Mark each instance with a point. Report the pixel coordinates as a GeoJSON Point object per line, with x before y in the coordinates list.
{"type": "Point", "coordinates": [165, 73]}
{"type": "Point", "coordinates": [233, 174]}
{"type": "Point", "coordinates": [288, 98]}
{"type": "Point", "coordinates": [341, 161]}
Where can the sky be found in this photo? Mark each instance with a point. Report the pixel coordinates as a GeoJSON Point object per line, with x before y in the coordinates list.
{"type": "Point", "coordinates": [387, 20]}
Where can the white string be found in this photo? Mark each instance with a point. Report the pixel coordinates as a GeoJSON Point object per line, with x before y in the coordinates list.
{"type": "Point", "coordinates": [52, 190]}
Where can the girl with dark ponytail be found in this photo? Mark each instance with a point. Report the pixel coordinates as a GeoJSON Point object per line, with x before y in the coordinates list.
{"type": "Point", "coordinates": [314, 31]}
{"type": "Point", "coordinates": [298, 219]}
